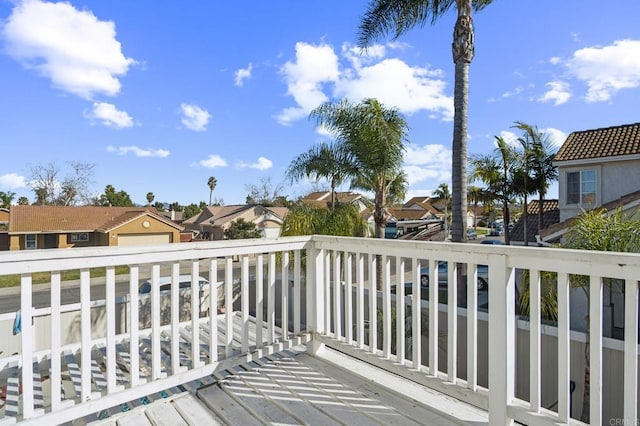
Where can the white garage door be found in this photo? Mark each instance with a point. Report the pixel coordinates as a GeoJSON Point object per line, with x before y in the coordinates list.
{"type": "Point", "coordinates": [143, 239]}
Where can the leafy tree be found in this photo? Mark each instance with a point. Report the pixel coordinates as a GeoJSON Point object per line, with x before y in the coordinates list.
{"type": "Point", "coordinates": [211, 182]}
{"type": "Point", "coordinates": [191, 210]}
{"type": "Point", "coordinates": [6, 198]}
{"type": "Point", "coordinates": [475, 195]}
{"type": "Point", "coordinates": [343, 220]}
{"type": "Point", "coordinates": [23, 201]}
{"type": "Point", "coordinates": [323, 161]}
{"type": "Point", "coordinates": [603, 231]}
{"type": "Point", "coordinates": [399, 16]}
{"type": "Point", "coordinates": [443, 195]}
{"type": "Point", "coordinates": [240, 229]}
{"type": "Point", "coordinates": [150, 198]}
{"type": "Point", "coordinates": [175, 206]}
{"type": "Point", "coordinates": [113, 198]}
{"type": "Point", "coordinates": [374, 137]}
{"type": "Point", "coordinates": [159, 206]}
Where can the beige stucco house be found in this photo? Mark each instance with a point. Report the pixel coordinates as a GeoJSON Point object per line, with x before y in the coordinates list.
{"type": "Point", "coordinates": [36, 227]}
{"type": "Point", "coordinates": [211, 223]}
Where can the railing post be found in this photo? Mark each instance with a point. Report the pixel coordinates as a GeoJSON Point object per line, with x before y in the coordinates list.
{"type": "Point", "coordinates": [501, 339]}
{"type": "Point", "coordinates": [315, 295]}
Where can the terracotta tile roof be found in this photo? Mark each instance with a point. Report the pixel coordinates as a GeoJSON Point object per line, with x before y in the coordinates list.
{"type": "Point", "coordinates": [599, 143]}
{"type": "Point", "coordinates": [77, 219]}
{"type": "Point", "coordinates": [550, 216]}
{"type": "Point", "coordinates": [414, 200]}
{"type": "Point", "coordinates": [408, 214]}
{"type": "Point", "coordinates": [323, 199]}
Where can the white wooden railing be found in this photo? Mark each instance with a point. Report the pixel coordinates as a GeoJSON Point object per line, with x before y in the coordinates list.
{"type": "Point", "coordinates": [320, 291]}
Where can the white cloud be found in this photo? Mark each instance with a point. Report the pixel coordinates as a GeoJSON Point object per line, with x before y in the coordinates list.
{"type": "Point", "coordinates": [262, 164]}
{"type": "Point", "coordinates": [559, 92]}
{"type": "Point", "coordinates": [109, 115]}
{"type": "Point", "coordinates": [12, 181]}
{"type": "Point", "coordinates": [139, 152]}
{"type": "Point", "coordinates": [555, 60]}
{"type": "Point", "coordinates": [213, 161]}
{"type": "Point", "coordinates": [315, 76]}
{"type": "Point", "coordinates": [242, 74]}
{"type": "Point", "coordinates": [313, 66]}
{"type": "Point", "coordinates": [607, 69]}
{"type": "Point", "coordinates": [194, 117]}
{"type": "Point", "coordinates": [509, 137]}
{"type": "Point", "coordinates": [431, 161]}
{"type": "Point", "coordinates": [73, 48]}
{"type": "Point", "coordinates": [556, 137]}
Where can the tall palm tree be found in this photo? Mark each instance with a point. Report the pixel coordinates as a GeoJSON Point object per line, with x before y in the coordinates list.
{"type": "Point", "coordinates": [442, 194]}
{"type": "Point", "coordinates": [540, 154]}
{"type": "Point", "coordinates": [6, 198]}
{"type": "Point", "coordinates": [326, 161]}
{"type": "Point", "coordinates": [150, 198]}
{"type": "Point", "coordinates": [374, 137]}
{"type": "Point", "coordinates": [497, 170]}
{"type": "Point", "coordinates": [212, 182]}
{"type": "Point", "coordinates": [398, 17]}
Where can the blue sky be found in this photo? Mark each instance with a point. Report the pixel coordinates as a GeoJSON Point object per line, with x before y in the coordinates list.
{"type": "Point", "coordinates": [162, 95]}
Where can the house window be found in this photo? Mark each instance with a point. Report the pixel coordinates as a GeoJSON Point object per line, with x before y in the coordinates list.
{"type": "Point", "coordinates": [581, 187]}
{"type": "Point", "coordinates": [30, 241]}
{"type": "Point", "coordinates": [83, 236]}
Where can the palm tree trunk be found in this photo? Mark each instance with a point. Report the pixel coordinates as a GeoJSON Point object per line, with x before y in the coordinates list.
{"type": "Point", "coordinates": [540, 212]}
{"type": "Point", "coordinates": [506, 217]}
{"type": "Point", "coordinates": [524, 221]}
{"type": "Point", "coordinates": [462, 55]}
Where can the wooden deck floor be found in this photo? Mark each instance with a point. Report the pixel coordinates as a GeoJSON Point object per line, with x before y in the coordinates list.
{"type": "Point", "coordinates": [296, 388]}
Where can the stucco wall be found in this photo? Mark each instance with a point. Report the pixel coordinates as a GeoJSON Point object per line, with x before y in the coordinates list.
{"type": "Point", "coordinates": [613, 180]}
{"type": "Point", "coordinates": [142, 225]}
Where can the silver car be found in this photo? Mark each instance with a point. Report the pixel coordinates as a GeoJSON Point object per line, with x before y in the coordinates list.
{"type": "Point", "coordinates": [443, 276]}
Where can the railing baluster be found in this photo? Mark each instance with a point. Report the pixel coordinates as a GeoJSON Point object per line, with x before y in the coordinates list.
{"type": "Point", "coordinates": [400, 332]}
{"type": "Point", "coordinates": [26, 312]}
{"type": "Point", "coordinates": [56, 367]}
{"type": "Point", "coordinates": [595, 349]}
{"type": "Point", "coordinates": [284, 285]}
{"type": "Point", "coordinates": [564, 365]}
{"type": "Point", "coordinates": [175, 317]}
{"type": "Point", "coordinates": [631, 349]}
{"type": "Point", "coordinates": [195, 314]}
{"type": "Point", "coordinates": [134, 324]}
{"type": "Point", "coordinates": [337, 290]}
{"type": "Point", "coordinates": [327, 291]}
{"type": "Point", "coordinates": [373, 305]}
{"type": "Point", "coordinates": [502, 336]}
{"type": "Point", "coordinates": [452, 322]}
{"type": "Point", "coordinates": [297, 284]}
{"type": "Point", "coordinates": [259, 300]}
{"type": "Point", "coordinates": [472, 326]}
{"type": "Point", "coordinates": [416, 315]}
{"type": "Point", "coordinates": [244, 298]}
{"type": "Point", "coordinates": [110, 294]}
{"type": "Point", "coordinates": [534, 340]}
{"type": "Point", "coordinates": [85, 327]}
{"type": "Point", "coordinates": [360, 299]}
{"type": "Point", "coordinates": [228, 305]}
{"type": "Point", "coordinates": [348, 301]}
{"type": "Point", "coordinates": [156, 366]}
{"type": "Point", "coordinates": [271, 300]}
{"type": "Point", "coordinates": [386, 307]}
{"type": "Point", "coordinates": [213, 310]}
{"type": "Point", "coordinates": [434, 317]}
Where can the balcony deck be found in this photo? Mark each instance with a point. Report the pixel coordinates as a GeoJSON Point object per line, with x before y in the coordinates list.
{"type": "Point", "coordinates": [87, 358]}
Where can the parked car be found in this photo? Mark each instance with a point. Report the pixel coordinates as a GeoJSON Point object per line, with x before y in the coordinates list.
{"type": "Point", "coordinates": [165, 284]}
{"type": "Point", "coordinates": [497, 242]}
{"type": "Point", "coordinates": [471, 234]}
{"type": "Point", "coordinates": [496, 231]}
{"type": "Point", "coordinates": [443, 276]}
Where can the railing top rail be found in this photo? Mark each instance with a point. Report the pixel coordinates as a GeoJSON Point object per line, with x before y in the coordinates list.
{"type": "Point", "coordinates": [44, 260]}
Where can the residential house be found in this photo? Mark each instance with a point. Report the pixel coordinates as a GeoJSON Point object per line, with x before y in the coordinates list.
{"type": "Point", "coordinates": [4, 224]}
{"type": "Point", "coordinates": [436, 207]}
{"type": "Point", "coordinates": [597, 168]}
{"type": "Point", "coordinates": [323, 199]}
{"type": "Point", "coordinates": [211, 223]}
{"type": "Point", "coordinates": [550, 216]}
{"type": "Point", "coordinates": [34, 227]}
